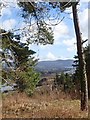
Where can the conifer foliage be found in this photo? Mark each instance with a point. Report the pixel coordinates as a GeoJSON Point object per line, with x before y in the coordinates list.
{"type": "Point", "coordinates": [18, 63]}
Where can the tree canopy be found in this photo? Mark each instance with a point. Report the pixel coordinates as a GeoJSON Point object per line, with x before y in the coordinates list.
{"type": "Point", "coordinates": [19, 63]}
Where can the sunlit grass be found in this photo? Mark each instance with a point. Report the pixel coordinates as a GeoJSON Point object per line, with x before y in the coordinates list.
{"type": "Point", "coordinates": [21, 106]}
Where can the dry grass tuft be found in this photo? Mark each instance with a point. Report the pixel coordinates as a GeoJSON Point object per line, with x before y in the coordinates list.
{"type": "Point", "coordinates": [46, 105]}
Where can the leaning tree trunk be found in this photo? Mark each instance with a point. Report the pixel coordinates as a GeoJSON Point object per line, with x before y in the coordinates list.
{"type": "Point", "coordinates": [83, 77]}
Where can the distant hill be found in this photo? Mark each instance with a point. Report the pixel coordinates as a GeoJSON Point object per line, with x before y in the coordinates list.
{"type": "Point", "coordinates": [54, 66]}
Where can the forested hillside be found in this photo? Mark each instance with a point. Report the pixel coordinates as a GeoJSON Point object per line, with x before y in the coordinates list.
{"type": "Point", "coordinates": [54, 66]}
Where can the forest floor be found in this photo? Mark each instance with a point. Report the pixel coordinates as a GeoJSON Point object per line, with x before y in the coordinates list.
{"type": "Point", "coordinates": [41, 105]}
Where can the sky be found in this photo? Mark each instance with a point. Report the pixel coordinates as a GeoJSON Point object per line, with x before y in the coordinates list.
{"type": "Point", "coordinates": [64, 46]}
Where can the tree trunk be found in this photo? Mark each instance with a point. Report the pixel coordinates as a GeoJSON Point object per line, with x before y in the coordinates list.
{"type": "Point", "coordinates": [88, 79]}
{"type": "Point", "coordinates": [88, 69]}
{"type": "Point", "coordinates": [83, 77]}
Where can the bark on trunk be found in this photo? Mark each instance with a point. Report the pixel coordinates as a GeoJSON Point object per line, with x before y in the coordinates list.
{"type": "Point", "coordinates": [83, 77]}
{"type": "Point", "coordinates": [88, 70]}
{"type": "Point", "coordinates": [88, 79]}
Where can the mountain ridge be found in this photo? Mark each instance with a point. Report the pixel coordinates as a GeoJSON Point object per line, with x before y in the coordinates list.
{"type": "Point", "coordinates": [55, 65]}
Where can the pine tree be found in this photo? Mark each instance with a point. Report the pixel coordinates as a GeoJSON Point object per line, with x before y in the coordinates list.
{"type": "Point", "coordinates": [23, 72]}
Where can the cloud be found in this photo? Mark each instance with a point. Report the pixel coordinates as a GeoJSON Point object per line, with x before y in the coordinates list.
{"type": "Point", "coordinates": [8, 24]}
{"type": "Point", "coordinates": [83, 19]}
{"type": "Point", "coordinates": [7, 5]}
{"type": "Point", "coordinates": [70, 44]}
{"type": "Point", "coordinates": [49, 56]}
{"type": "Point", "coordinates": [85, 0]}
{"type": "Point", "coordinates": [70, 49]}
{"type": "Point", "coordinates": [5, 11]}
{"type": "Point", "coordinates": [61, 30]}
{"type": "Point", "coordinates": [68, 10]}
{"type": "Point", "coordinates": [83, 22]}
{"type": "Point", "coordinates": [9, 2]}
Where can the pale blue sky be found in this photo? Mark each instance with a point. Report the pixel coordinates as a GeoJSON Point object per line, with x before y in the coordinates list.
{"type": "Point", "coordinates": [64, 46]}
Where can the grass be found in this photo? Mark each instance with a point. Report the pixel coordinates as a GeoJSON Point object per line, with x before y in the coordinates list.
{"type": "Point", "coordinates": [45, 103]}
{"type": "Point", "coordinates": [18, 105]}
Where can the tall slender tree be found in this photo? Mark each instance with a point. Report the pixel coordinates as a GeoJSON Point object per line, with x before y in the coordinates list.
{"type": "Point", "coordinates": [87, 58]}
{"type": "Point", "coordinates": [82, 69]}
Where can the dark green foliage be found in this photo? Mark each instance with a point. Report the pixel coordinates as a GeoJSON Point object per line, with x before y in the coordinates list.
{"type": "Point", "coordinates": [76, 76]}
{"type": "Point", "coordinates": [28, 8]}
{"type": "Point", "coordinates": [27, 79]}
{"type": "Point", "coordinates": [57, 80]}
{"type": "Point", "coordinates": [64, 80]}
{"type": "Point", "coordinates": [45, 35]}
{"type": "Point", "coordinates": [87, 59]}
{"type": "Point", "coordinates": [60, 79]}
{"type": "Point", "coordinates": [23, 72]}
{"type": "Point", "coordinates": [68, 81]}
